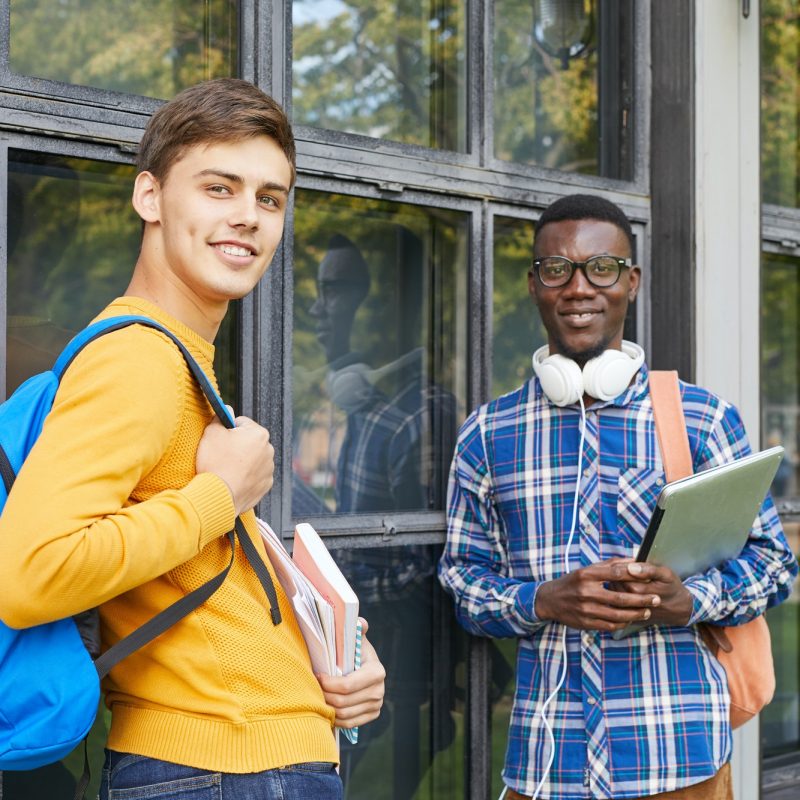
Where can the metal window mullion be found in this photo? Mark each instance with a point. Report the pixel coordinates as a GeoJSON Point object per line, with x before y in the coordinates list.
{"type": "Point", "coordinates": [3, 269]}
{"type": "Point", "coordinates": [248, 44]}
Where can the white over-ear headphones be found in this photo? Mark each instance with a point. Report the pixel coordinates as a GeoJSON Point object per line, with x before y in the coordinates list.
{"type": "Point", "coordinates": [603, 378]}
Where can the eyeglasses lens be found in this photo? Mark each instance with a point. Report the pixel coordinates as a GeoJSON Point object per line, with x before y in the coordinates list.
{"type": "Point", "coordinates": [600, 271]}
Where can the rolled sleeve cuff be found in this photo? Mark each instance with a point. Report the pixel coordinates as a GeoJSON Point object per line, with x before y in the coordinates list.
{"type": "Point", "coordinates": [525, 603]}
{"type": "Point", "coordinates": [704, 599]}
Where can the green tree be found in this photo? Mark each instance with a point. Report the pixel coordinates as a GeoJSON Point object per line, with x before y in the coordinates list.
{"type": "Point", "coordinates": [392, 69]}
{"type": "Point", "coordinates": [147, 47]}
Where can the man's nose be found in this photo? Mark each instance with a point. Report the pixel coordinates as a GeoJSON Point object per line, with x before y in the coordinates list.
{"type": "Point", "coordinates": [317, 309]}
{"type": "Point", "coordinates": [244, 214]}
{"type": "Point", "coordinates": [579, 284]}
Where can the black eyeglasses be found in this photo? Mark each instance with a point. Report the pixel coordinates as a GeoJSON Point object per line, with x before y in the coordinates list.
{"type": "Point", "coordinates": [600, 271]}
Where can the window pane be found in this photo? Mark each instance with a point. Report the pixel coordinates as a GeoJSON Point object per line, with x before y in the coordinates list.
{"type": "Point", "coordinates": [517, 330]}
{"type": "Point", "coordinates": [780, 405]}
{"type": "Point", "coordinates": [379, 353]}
{"type": "Point", "coordinates": [148, 48]}
{"type": "Point", "coordinates": [415, 749]}
{"type": "Point", "coordinates": [73, 239]}
{"type": "Point", "coordinates": [392, 69]}
{"type": "Point", "coordinates": [780, 90]}
{"type": "Point", "coordinates": [503, 664]}
{"type": "Point", "coordinates": [562, 84]}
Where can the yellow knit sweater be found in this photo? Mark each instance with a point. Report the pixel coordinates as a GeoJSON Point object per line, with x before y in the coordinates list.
{"type": "Point", "coordinates": [107, 510]}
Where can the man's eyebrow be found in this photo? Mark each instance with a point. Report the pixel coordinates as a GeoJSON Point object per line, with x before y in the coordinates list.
{"type": "Point", "coordinates": [272, 186]}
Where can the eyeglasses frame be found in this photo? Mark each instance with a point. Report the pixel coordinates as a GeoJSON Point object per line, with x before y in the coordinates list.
{"type": "Point", "coordinates": [581, 265]}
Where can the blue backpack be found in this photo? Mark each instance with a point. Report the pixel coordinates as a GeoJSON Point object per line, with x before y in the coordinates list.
{"type": "Point", "coordinates": [49, 684]}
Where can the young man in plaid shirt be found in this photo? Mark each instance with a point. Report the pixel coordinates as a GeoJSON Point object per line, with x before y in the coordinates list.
{"type": "Point", "coordinates": [550, 494]}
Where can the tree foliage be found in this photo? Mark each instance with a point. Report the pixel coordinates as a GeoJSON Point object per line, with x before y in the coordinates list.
{"type": "Point", "coordinates": [780, 101]}
{"type": "Point", "coordinates": [150, 47]}
{"type": "Point", "coordinates": [392, 69]}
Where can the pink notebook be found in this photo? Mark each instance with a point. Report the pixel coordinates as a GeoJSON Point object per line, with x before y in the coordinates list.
{"type": "Point", "coordinates": [313, 559]}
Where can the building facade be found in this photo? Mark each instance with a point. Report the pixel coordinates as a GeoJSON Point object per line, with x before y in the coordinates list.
{"type": "Point", "coordinates": [430, 136]}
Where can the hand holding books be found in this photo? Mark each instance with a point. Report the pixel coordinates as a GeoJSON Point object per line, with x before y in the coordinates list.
{"type": "Point", "coordinates": [326, 610]}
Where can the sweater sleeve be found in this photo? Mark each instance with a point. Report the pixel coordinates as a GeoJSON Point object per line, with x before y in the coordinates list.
{"type": "Point", "coordinates": [70, 537]}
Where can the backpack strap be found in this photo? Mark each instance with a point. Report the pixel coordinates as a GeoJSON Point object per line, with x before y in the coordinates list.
{"type": "Point", "coordinates": [181, 608]}
{"type": "Point", "coordinates": [673, 439]}
{"type": "Point", "coordinates": [103, 326]}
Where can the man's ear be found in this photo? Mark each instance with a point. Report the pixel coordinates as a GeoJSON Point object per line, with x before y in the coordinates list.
{"type": "Point", "coordinates": [147, 197]}
{"type": "Point", "coordinates": [634, 279]}
{"type": "Point", "coordinates": [532, 287]}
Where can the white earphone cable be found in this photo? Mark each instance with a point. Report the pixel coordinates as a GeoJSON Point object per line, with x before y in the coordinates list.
{"type": "Point", "coordinates": [563, 671]}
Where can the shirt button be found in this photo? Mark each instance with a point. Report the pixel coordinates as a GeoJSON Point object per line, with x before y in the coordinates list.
{"type": "Point", "coordinates": [588, 638]}
{"type": "Point", "coordinates": [591, 701]}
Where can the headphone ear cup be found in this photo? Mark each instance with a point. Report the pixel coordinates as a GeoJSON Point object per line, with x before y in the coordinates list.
{"type": "Point", "coordinates": [560, 378]}
{"type": "Point", "coordinates": [608, 375]}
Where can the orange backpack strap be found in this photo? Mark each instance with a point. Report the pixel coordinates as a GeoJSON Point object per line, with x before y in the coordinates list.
{"type": "Point", "coordinates": [673, 440]}
{"type": "Point", "coordinates": [744, 650]}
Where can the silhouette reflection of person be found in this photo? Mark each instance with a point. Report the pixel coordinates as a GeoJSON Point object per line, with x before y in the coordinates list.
{"type": "Point", "coordinates": [399, 428]}
{"type": "Point", "coordinates": [393, 454]}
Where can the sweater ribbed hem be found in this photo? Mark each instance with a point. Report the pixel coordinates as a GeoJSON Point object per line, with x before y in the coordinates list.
{"type": "Point", "coordinates": [212, 500]}
{"type": "Point", "coordinates": [221, 746]}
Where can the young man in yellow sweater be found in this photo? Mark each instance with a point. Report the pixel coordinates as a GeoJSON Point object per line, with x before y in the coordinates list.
{"type": "Point", "coordinates": [126, 498]}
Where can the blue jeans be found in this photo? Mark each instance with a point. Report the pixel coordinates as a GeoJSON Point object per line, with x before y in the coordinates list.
{"type": "Point", "coordinates": [131, 777]}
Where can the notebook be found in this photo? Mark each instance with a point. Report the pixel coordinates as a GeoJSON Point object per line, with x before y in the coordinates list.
{"type": "Point", "coordinates": [705, 519]}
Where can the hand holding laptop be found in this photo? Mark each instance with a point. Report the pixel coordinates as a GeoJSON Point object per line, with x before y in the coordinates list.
{"type": "Point", "coordinates": [612, 594]}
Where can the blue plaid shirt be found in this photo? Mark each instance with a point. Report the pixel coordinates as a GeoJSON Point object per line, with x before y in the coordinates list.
{"type": "Point", "coordinates": [635, 717]}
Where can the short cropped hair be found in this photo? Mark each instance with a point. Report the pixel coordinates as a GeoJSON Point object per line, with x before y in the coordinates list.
{"type": "Point", "coordinates": [213, 112]}
{"type": "Point", "coordinates": [586, 206]}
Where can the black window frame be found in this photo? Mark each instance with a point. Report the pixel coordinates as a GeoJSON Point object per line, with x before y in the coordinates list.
{"type": "Point", "coordinates": [95, 123]}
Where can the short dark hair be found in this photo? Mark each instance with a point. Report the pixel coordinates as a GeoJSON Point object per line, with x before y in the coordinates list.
{"type": "Point", "coordinates": [586, 206]}
{"type": "Point", "coordinates": [212, 112]}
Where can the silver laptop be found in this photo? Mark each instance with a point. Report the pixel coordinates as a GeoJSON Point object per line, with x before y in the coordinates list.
{"type": "Point", "coordinates": [705, 519]}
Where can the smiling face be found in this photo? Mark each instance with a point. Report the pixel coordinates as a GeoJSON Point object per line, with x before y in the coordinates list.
{"type": "Point", "coordinates": [211, 228]}
{"type": "Point", "coordinates": [583, 320]}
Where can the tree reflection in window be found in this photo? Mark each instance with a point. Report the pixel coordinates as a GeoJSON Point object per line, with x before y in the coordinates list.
{"type": "Point", "coordinates": [73, 239]}
{"type": "Point", "coordinates": [392, 69]}
{"type": "Point", "coordinates": [567, 108]}
{"type": "Point", "coordinates": [145, 48]}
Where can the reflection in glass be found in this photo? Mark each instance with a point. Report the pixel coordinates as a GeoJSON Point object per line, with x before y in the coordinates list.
{"type": "Point", "coordinates": [415, 749]}
{"type": "Point", "coordinates": [517, 330]}
{"type": "Point", "coordinates": [780, 412]}
{"type": "Point", "coordinates": [392, 69]}
{"type": "Point", "coordinates": [780, 108]}
{"type": "Point", "coordinates": [378, 306]}
{"type": "Point", "coordinates": [503, 669]}
{"type": "Point", "coordinates": [73, 239]}
{"type": "Point", "coordinates": [562, 84]}
{"type": "Point", "coordinates": [152, 49]}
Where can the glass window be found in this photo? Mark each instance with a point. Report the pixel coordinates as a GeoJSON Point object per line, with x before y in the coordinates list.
{"type": "Point", "coordinates": [415, 749]}
{"type": "Point", "coordinates": [146, 48]}
{"type": "Point", "coordinates": [562, 84]}
{"type": "Point", "coordinates": [378, 343]}
{"type": "Point", "coordinates": [780, 410]}
{"type": "Point", "coordinates": [503, 658]}
{"type": "Point", "coordinates": [392, 69]}
{"type": "Point", "coordinates": [73, 239]}
{"type": "Point", "coordinates": [516, 330]}
{"type": "Point", "coordinates": [780, 90]}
